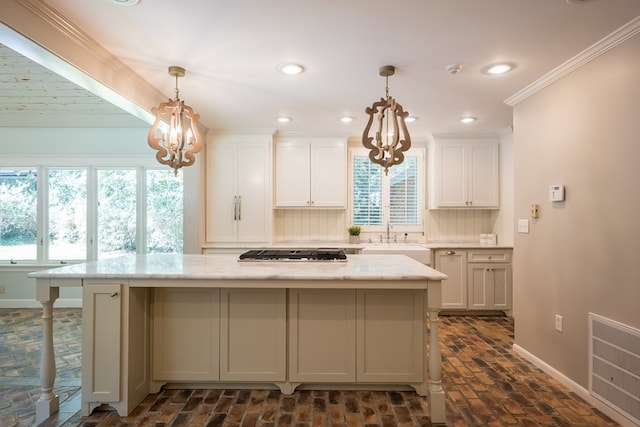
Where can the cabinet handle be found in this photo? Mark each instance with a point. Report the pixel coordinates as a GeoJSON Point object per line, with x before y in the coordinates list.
{"type": "Point", "coordinates": [450, 253]}
{"type": "Point", "coordinates": [113, 295]}
{"type": "Point", "coordinates": [239, 208]}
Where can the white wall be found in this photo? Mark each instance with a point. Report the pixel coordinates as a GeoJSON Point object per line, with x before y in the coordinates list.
{"type": "Point", "coordinates": [581, 255]}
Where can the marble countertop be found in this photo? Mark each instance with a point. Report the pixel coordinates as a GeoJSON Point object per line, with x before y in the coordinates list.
{"type": "Point", "coordinates": [227, 267]}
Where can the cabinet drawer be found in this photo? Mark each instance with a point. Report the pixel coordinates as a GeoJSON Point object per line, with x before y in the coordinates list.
{"type": "Point", "coordinates": [489, 256]}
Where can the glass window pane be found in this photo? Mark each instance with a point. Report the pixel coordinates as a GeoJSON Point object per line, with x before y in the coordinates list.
{"type": "Point", "coordinates": [18, 214]}
{"type": "Point", "coordinates": [116, 213]}
{"type": "Point", "coordinates": [67, 214]}
{"type": "Point", "coordinates": [164, 211]}
{"type": "Point", "coordinates": [367, 192]}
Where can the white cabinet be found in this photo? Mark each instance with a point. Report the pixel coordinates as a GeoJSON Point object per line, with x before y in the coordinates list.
{"type": "Point", "coordinates": [322, 335]}
{"type": "Point", "coordinates": [101, 342]}
{"type": "Point", "coordinates": [115, 346]}
{"type": "Point", "coordinates": [238, 189]}
{"type": "Point", "coordinates": [389, 336]}
{"type": "Point", "coordinates": [478, 279]}
{"type": "Point", "coordinates": [253, 335]}
{"type": "Point", "coordinates": [186, 334]}
{"type": "Point", "coordinates": [464, 174]}
{"type": "Point", "coordinates": [489, 280]}
{"type": "Point", "coordinates": [311, 174]}
{"type": "Point", "coordinates": [453, 263]}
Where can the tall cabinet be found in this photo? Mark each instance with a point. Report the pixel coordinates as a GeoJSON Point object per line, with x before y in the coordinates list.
{"type": "Point", "coordinates": [238, 188]}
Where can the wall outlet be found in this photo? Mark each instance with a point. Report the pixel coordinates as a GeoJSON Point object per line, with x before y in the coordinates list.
{"type": "Point", "coordinates": [558, 323]}
{"type": "Point", "coordinates": [2, 289]}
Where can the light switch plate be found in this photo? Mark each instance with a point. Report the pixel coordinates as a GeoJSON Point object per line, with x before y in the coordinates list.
{"type": "Point", "coordinates": [523, 226]}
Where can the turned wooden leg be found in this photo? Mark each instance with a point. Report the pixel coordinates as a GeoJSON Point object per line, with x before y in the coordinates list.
{"type": "Point", "coordinates": [436, 396]}
{"type": "Point", "coordinates": [48, 403]}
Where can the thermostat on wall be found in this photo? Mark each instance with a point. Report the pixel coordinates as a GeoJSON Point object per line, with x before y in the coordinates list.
{"type": "Point", "coordinates": [556, 193]}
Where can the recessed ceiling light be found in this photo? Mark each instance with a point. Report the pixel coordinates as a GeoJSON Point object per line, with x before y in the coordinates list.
{"type": "Point", "coordinates": [126, 2]}
{"type": "Point", "coordinates": [291, 69]}
{"type": "Point", "coordinates": [467, 119]}
{"type": "Point", "coordinates": [498, 68]}
{"type": "Point", "coordinates": [410, 119]}
{"type": "Point", "coordinates": [346, 119]}
{"type": "Point", "coordinates": [284, 119]}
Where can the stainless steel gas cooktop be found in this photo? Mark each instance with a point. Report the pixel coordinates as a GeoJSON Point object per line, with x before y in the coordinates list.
{"type": "Point", "coordinates": [321, 254]}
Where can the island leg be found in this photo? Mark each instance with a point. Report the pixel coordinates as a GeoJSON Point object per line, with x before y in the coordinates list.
{"type": "Point", "coordinates": [436, 396]}
{"type": "Point", "coordinates": [48, 402]}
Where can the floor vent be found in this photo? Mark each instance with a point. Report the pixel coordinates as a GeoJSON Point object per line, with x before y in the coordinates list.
{"type": "Point", "coordinates": [614, 365]}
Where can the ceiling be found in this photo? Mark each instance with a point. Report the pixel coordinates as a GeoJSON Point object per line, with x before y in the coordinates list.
{"type": "Point", "coordinates": [232, 50]}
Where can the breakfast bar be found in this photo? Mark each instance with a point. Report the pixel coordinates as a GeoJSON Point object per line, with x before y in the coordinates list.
{"type": "Point", "coordinates": [215, 321]}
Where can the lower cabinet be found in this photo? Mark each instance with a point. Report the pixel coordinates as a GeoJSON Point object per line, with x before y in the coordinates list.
{"type": "Point", "coordinates": [363, 336]}
{"type": "Point", "coordinates": [115, 346]}
{"type": "Point", "coordinates": [253, 335]}
{"type": "Point", "coordinates": [322, 335]}
{"type": "Point", "coordinates": [478, 279]}
{"type": "Point", "coordinates": [186, 334]}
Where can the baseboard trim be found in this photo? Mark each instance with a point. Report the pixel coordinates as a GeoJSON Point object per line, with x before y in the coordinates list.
{"type": "Point", "coordinates": [582, 392]}
{"type": "Point", "coordinates": [30, 303]}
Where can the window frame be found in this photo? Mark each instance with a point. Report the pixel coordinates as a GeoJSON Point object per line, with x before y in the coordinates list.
{"type": "Point", "coordinates": [42, 164]}
{"type": "Point", "coordinates": [418, 152]}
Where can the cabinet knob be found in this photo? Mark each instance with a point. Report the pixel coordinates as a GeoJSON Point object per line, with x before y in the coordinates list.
{"type": "Point", "coordinates": [450, 253]}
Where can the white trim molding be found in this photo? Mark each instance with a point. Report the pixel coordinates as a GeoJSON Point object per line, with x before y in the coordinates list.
{"type": "Point", "coordinates": [582, 392]}
{"type": "Point", "coordinates": [609, 42]}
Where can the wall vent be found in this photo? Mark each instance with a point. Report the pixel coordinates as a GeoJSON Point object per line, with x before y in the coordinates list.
{"type": "Point", "coordinates": [614, 365]}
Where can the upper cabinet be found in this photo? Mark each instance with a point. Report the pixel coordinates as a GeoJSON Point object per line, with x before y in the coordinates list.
{"type": "Point", "coordinates": [311, 173]}
{"type": "Point", "coordinates": [464, 174]}
{"type": "Point", "coordinates": [238, 207]}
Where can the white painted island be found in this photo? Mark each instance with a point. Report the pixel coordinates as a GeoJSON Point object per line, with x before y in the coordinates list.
{"type": "Point", "coordinates": [211, 321]}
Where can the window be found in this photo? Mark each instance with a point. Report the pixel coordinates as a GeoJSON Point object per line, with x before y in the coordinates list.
{"type": "Point", "coordinates": [395, 199]}
{"type": "Point", "coordinates": [18, 214]}
{"type": "Point", "coordinates": [67, 213]}
{"type": "Point", "coordinates": [60, 214]}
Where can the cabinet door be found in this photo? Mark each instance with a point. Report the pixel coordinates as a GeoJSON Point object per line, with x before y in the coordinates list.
{"type": "Point", "coordinates": [292, 174]}
{"type": "Point", "coordinates": [221, 224]}
{"type": "Point", "coordinates": [328, 174]}
{"type": "Point", "coordinates": [451, 178]}
{"type": "Point", "coordinates": [186, 334]}
{"type": "Point", "coordinates": [253, 328]}
{"type": "Point", "coordinates": [101, 342]}
{"type": "Point", "coordinates": [389, 329]}
{"type": "Point", "coordinates": [502, 286]}
{"type": "Point", "coordinates": [254, 191]}
{"type": "Point", "coordinates": [322, 331]}
{"type": "Point", "coordinates": [453, 263]}
{"type": "Point", "coordinates": [483, 181]}
{"type": "Point", "coordinates": [480, 287]}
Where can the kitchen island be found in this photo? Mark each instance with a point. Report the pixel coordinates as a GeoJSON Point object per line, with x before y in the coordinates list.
{"type": "Point", "coordinates": [211, 321]}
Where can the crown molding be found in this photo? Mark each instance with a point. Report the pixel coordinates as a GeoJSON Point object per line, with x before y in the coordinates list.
{"type": "Point", "coordinates": [606, 44]}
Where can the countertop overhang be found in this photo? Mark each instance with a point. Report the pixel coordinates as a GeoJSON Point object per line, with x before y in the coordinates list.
{"type": "Point", "coordinates": [225, 267]}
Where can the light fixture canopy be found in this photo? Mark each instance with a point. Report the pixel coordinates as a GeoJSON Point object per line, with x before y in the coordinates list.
{"type": "Point", "coordinates": [390, 142]}
{"type": "Point", "coordinates": [175, 133]}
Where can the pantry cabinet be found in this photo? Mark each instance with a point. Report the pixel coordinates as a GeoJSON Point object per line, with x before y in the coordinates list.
{"type": "Point", "coordinates": [238, 189]}
{"type": "Point", "coordinates": [311, 174]}
{"type": "Point", "coordinates": [464, 174]}
{"type": "Point", "coordinates": [478, 279]}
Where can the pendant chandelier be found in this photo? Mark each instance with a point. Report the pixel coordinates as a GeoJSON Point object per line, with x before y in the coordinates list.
{"type": "Point", "coordinates": [391, 135]}
{"type": "Point", "coordinates": [175, 133]}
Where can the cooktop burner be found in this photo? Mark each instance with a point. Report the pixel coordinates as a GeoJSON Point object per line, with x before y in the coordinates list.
{"type": "Point", "coordinates": [294, 255]}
